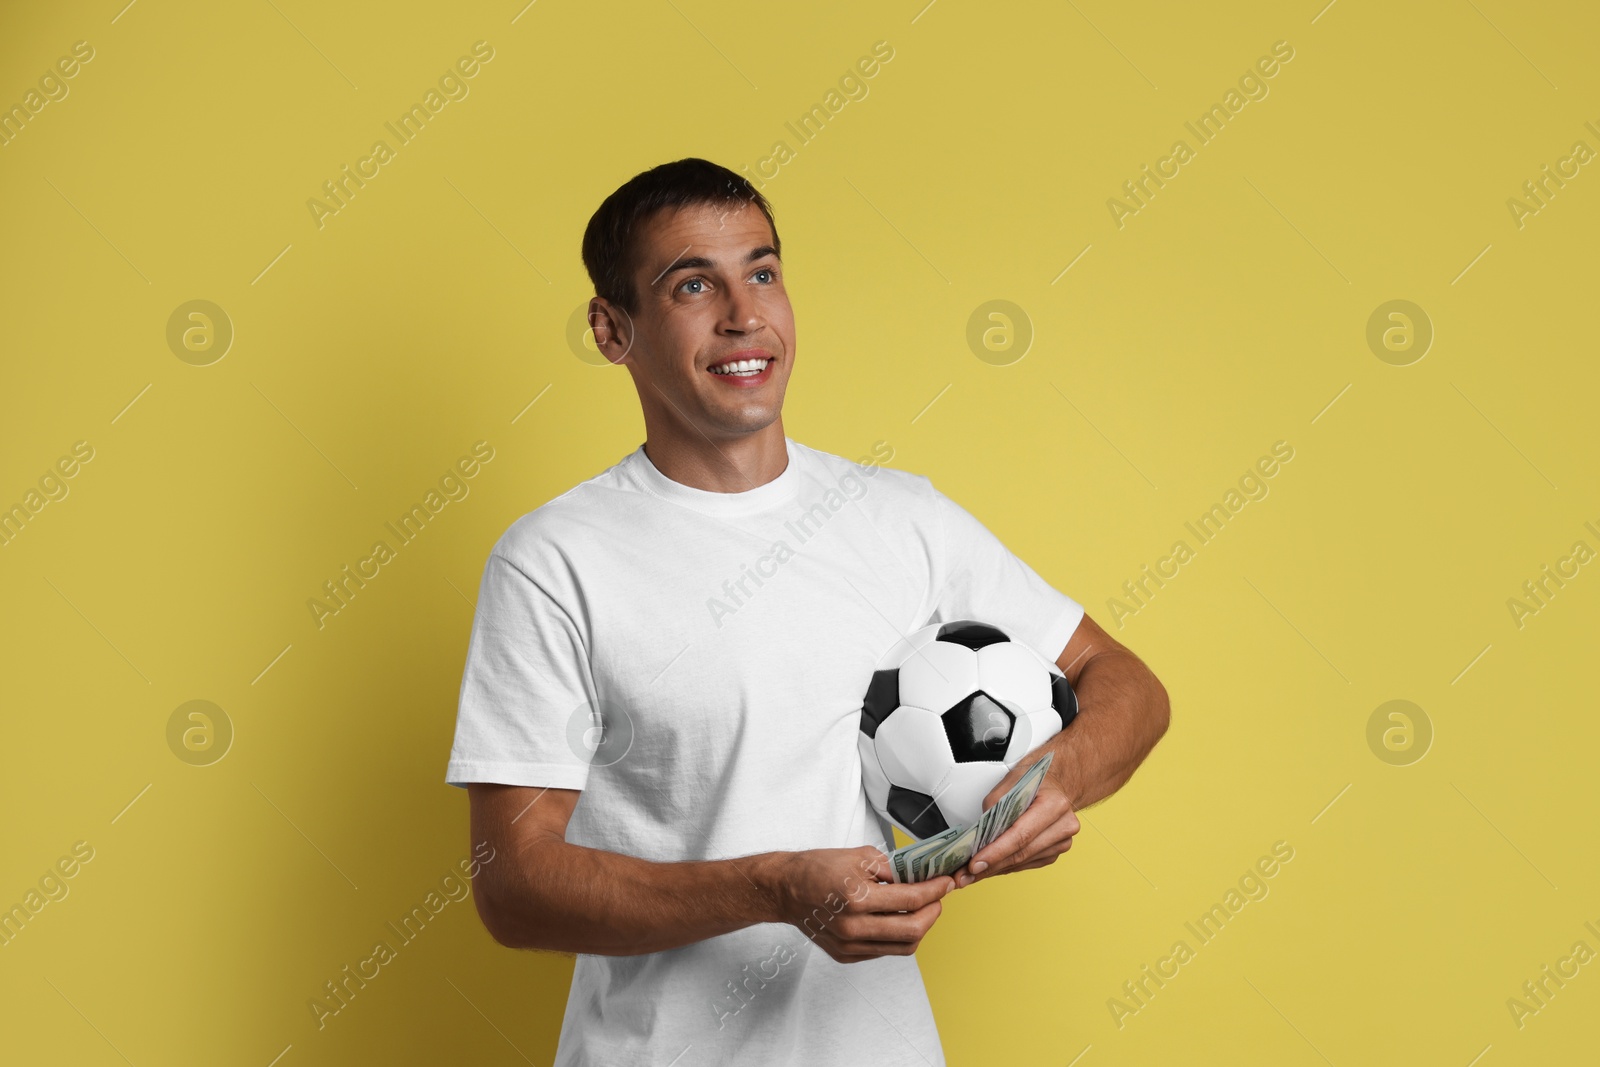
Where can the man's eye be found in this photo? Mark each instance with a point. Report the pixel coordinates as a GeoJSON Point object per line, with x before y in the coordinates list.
{"type": "Point", "coordinates": [693, 281]}
{"type": "Point", "coordinates": [767, 271]}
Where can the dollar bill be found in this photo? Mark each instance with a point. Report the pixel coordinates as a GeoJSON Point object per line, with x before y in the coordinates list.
{"type": "Point", "coordinates": [949, 850]}
{"type": "Point", "coordinates": [988, 828]}
{"type": "Point", "coordinates": [1011, 806]}
{"type": "Point", "coordinates": [927, 860]}
{"type": "Point", "coordinates": [902, 860]}
{"type": "Point", "coordinates": [954, 855]}
{"type": "Point", "coordinates": [917, 854]}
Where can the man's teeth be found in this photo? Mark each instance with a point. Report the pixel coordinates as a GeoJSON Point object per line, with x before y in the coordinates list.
{"type": "Point", "coordinates": [743, 368]}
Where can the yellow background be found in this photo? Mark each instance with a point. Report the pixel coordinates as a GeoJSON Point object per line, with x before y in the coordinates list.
{"type": "Point", "coordinates": [427, 314]}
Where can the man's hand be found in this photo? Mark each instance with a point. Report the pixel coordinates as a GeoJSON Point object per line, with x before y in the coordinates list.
{"type": "Point", "coordinates": [1122, 712]}
{"type": "Point", "coordinates": [1041, 833]}
{"type": "Point", "coordinates": [846, 901]}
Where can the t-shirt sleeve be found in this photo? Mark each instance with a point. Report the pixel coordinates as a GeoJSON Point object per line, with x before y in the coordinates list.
{"type": "Point", "coordinates": [526, 687]}
{"type": "Point", "coordinates": [976, 577]}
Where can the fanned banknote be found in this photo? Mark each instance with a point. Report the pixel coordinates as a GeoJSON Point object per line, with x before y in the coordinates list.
{"type": "Point", "coordinates": [948, 851]}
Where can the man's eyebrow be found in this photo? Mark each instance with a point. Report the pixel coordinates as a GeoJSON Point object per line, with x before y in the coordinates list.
{"type": "Point", "coordinates": [702, 263]}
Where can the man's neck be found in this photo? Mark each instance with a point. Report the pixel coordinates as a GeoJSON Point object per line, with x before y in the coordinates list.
{"type": "Point", "coordinates": [734, 465]}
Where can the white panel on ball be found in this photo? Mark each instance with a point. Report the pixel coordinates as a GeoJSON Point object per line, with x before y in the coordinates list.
{"type": "Point", "coordinates": [938, 677]}
{"type": "Point", "coordinates": [1041, 725]}
{"type": "Point", "coordinates": [913, 748]}
{"type": "Point", "coordinates": [1022, 739]}
{"type": "Point", "coordinates": [872, 776]}
{"type": "Point", "coordinates": [960, 794]}
{"type": "Point", "coordinates": [1010, 673]}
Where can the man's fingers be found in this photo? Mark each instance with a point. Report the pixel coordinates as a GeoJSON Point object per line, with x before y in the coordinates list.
{"type": "Point", "coordinates": [1050, 842]}
{"type": "Point", "coordinates": [876, 865]}
{"type": "Point", "coordinates": [1046, 827]}
{"type": "Point", "coordinates": [905, 896]}
{"type": "Point", "coordinates": [1041, 814]}
{"type": "Point", "coordinates": [891, 928]}
{"type": "Point", "coordinates": [1047, 845]}
{"type": "Point", "coordinates": [861, 951]}
{"type": "Point", "coordinates": [1041, 855]}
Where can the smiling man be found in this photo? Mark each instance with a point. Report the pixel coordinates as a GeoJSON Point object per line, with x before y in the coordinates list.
{"type": "Point", "coordinates": [676, 792]}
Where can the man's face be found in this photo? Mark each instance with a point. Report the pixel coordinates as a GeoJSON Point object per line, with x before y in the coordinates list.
{"type": "Point", "coordinates": [710, 293]}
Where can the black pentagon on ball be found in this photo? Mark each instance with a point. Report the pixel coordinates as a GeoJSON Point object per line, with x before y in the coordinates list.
{"type": "Point", "coordinates": [883, 697]}
{"type": "Point", "coordinates": [916, 812]}
{"type": "Point", "coordinates": [974, 635]}
{"type": "Point", "coordinates": [1063, 699]}
{"type": "Point", "coordinates": [979, 728]}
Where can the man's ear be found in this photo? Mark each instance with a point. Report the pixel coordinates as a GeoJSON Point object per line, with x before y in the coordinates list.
{"type": "Point", "coordinates": [613, 329]}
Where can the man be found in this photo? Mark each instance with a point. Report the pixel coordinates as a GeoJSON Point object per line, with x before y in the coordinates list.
{"type": "Point", "coordinates": [663, 686]}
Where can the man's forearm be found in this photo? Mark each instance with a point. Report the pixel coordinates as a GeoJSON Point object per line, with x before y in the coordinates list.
{"type": "Point", "coordinates": [562, 897]}
{"type": "Point", "coordinates": [1122, 713]}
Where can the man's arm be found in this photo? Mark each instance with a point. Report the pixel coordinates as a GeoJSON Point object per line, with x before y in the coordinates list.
{"type": "Point", "coordinates": [1123, 711]}
{"type": "Point", "coordinates": [543, 892]}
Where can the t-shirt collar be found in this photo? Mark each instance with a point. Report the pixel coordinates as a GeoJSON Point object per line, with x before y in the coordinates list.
{"type": "Point", "coordinates": [778, 490]}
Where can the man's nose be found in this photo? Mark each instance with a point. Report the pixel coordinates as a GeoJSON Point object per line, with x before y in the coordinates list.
{"type": "Point", "coordinates": [742, 314]}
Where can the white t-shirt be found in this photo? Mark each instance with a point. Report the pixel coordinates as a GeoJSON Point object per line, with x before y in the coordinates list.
{"type": "Point", "coordinates": [726, 640]}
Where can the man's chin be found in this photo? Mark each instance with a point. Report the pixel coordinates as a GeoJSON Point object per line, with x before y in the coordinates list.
{"type": "Point", "coordinates": [740, 422]}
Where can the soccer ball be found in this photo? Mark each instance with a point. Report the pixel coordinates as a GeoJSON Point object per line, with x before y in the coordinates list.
{"type": "Point", "coordinates": [949, 711]}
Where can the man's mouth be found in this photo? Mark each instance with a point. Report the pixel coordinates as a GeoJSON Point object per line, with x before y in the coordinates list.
{"type": "Point", "coordinates": [743, 366]}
